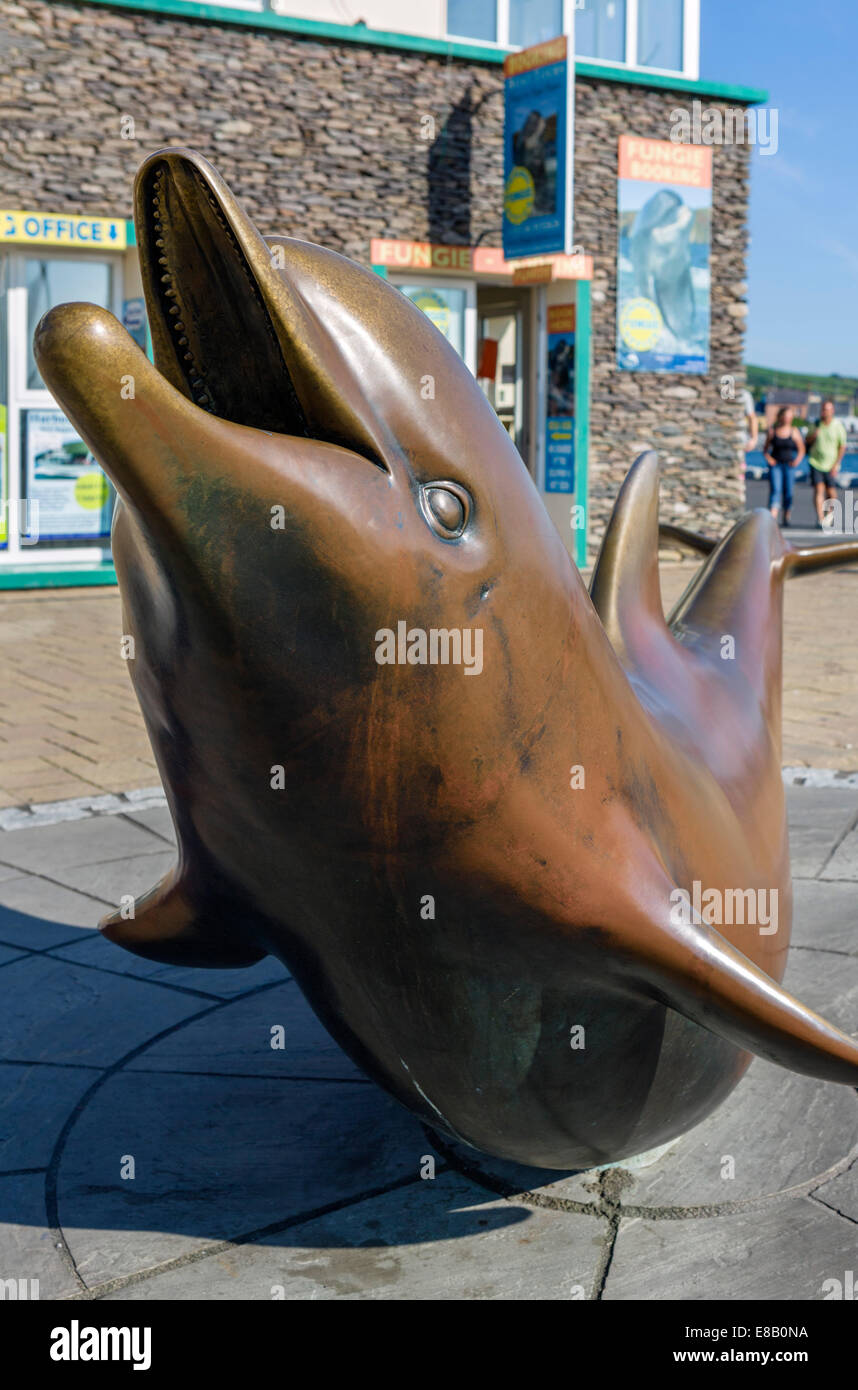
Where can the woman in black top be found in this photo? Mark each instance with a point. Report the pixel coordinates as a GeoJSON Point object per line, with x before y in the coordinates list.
{"type": "Point", "coordinates": [784, 451]}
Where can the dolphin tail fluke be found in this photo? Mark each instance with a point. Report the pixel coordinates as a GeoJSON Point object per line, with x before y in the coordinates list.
{"type": "Point", "coordinates": [797, 559]}
{"type": "Point", "coordinates": [811, 559]}
{"type": "Point", "coordinates": [625, 587]}
{"type": "Point", "coordinates": [167, 926]}
{"type": "Point", "coordinates": [734, 604]}
{"type": "Point", "coordinates": [696, 971]}
{"type": "Point", "coordinates": [693, 540]}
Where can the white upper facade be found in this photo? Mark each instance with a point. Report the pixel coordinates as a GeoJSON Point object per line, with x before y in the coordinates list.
{"type": "Point", "coordinates": [659, 36]}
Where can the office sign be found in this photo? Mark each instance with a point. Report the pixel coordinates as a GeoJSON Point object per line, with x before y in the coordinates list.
{"type": "Point", "coordinates": [539, 115]}
{"type": "Point", "coordinates": [63, 229]}
{"type": "Point", "coordinates": [560, 406]}
{"type": "Point", "coordinates": [664, 202]}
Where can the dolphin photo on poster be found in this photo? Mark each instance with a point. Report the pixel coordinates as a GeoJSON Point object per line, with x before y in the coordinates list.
{"type": "Point", "coordinates": [664, 205]}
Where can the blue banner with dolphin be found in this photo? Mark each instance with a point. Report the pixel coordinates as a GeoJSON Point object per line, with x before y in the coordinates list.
{"type": "Point", "coordinates": [539, 104]}
{"type": "Point", "coordinates": [664, 205]}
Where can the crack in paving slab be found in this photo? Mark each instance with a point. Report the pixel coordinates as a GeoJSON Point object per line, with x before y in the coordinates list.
{"type": "Point", "coordinates": [609, 1201]}
{"type": "Point", "coordinates": [107, 1287]}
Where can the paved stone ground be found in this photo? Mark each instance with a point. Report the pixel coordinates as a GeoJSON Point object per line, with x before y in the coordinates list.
{"type": "Point", "coordinates": [69, 721]}
{"type": "Point", "coordinates": [70, 725]}
{"type": "Point", "coordinates": [261, 1173]}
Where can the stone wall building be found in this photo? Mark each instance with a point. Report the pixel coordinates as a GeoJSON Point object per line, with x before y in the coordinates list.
{"type": "Point", "coordinates": [350, 137]}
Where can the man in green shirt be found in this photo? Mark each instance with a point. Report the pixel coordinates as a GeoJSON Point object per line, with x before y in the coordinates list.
{"type": "Point", "coordinates": [826, 445]}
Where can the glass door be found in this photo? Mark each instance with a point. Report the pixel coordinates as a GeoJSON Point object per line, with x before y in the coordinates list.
{"type": "Point", "coordinates": [61, 502]}
{"type": "Point", "coordinates": [451, 306]}
{"type": "Point", "coordinates": [501, 369]}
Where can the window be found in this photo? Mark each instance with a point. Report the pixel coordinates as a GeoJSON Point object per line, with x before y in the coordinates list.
{"type": "Point", "coordinates": [534, 21]}
{"type": "Point", "coordinates": [61, 280]}
{"type": "Point", "coordinates": [600, 30]}
{"type": "Point", "coordinates": [660, 34]}
{"type": "Point", "coordinates": [235, 4]}
{"type": "Point", "coordinates": [446, 307]}
{"type": "Point", "coordinates": [473, 19]}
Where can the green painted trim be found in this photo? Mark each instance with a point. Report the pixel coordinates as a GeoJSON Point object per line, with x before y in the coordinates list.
{"type": "Point", "coordinates": [130, 233]}
{"type": "Point", "coordinates": [416, 43]}
{"type": "Point", "coordinates": [42, 577]}
{"type": "Point", "coordinates": [380, 270]}
{"type": "Point", "coordinates": [582, 416]}
{"type": "Point", "coordinates": [313, 28]}
{"type": "Point", "coordinates": [636, 77]}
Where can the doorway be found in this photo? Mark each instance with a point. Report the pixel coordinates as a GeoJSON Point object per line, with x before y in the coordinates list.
{"type": "Point", "coordinates": [503, 359]}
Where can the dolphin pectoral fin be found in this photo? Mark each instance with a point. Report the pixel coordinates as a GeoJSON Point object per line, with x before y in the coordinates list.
{"type": "Point", "coordinates": [625, 588]}
{"type": "Point", "coordinates": [696, 971]}
{"type": "Point", "coordinates": [167, 926]}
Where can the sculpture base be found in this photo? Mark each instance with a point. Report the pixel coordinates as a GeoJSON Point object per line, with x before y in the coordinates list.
{"type": "Point", "coordinates": [640, 1161]}
{"type": "Point", "coordinates": [778, 1135]}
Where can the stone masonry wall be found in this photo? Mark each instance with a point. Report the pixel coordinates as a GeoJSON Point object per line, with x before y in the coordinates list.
{"type": "Point", "coordinates": [326, 141]}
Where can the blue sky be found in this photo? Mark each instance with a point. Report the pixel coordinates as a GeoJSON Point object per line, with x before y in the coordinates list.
{"type": "Point", "coordinates": [803, 264]}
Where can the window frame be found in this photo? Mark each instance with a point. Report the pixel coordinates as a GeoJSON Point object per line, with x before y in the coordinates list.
{"type": "Point", "coordinates": [21, 397]}
{"type": "Point", "coordinates": [690, 39]}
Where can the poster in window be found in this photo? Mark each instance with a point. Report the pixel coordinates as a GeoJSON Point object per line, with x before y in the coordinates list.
{"type": "Point", "coordinates": [560, 409]}
{"type": "Point", "coordinates": [75, 499]}
{"type": "Point", "coordinates": [4, 482]}
{"type": "Point", "coordinates": [664, 202]}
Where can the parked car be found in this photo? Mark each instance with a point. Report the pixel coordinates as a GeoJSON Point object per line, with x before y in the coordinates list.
{"type": "Point", "coordinates": [756, 466]}
{"type": "Point", "coordinates": [847, 473]}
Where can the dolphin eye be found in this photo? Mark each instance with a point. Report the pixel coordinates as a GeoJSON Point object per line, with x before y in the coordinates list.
{"type": "Point", "coordinates": [446, 507]}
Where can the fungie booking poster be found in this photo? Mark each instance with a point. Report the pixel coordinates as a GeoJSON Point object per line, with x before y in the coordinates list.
{"type": "Point", "coordinates": [538, 124]}
{"type": "Point", "coordinates": [664, 202]}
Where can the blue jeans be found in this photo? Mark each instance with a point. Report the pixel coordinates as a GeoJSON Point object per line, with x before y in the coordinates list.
{"type": "Point", "coordinates": [780, 485]}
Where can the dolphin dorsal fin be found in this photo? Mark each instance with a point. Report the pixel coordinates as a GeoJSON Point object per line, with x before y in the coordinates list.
{"type": "Point", "coordinates": [625, 587]}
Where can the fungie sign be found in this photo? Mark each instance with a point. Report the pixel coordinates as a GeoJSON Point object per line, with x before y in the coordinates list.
{"type": "Point", "coordinates": [664, 195]}
{"type": "Point", "coordinates": [539, 105]}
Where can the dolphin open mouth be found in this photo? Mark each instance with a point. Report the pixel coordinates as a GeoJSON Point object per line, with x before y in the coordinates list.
{"type": "Point", "coordinates": [213, 334]}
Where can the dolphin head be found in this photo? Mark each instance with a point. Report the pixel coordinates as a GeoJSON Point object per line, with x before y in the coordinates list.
{"type": "Point", "coordinates": [308, 464]}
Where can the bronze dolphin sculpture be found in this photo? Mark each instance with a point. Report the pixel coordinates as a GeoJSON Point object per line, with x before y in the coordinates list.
{"type": "Point", "coordinates": [476, 876]}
